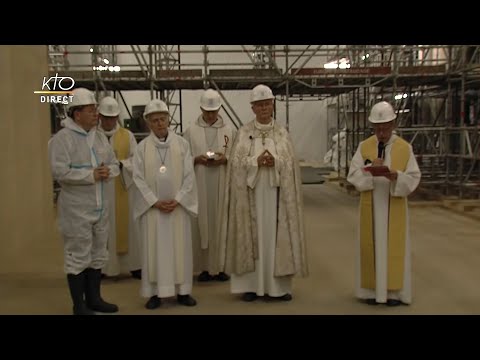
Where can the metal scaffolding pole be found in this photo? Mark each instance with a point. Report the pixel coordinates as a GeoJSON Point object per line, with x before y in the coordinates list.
{"type": "Point", "coordinates": [441, 84]}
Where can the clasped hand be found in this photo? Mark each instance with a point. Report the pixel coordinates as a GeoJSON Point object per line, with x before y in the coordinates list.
{"type": "Point", "coordinates": [266, 159]}
{"type": "Point", "coordinates": [166, 206]}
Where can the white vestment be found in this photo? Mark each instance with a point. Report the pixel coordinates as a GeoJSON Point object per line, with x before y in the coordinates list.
{"type": "Point", "coordinates": [202, 137]}
{"type": "Point", "coordinates": [130, 261]}
{"type": "Point", "coordinates": [382, 188]}
{"type": "Point", "coordinates": [265, 181]}
{"type": "Point", "coordinates": [165, 238]}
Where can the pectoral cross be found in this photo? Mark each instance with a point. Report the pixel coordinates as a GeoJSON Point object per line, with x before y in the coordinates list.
{"type": "Point", "coordinates": [225, 137]}
{"type": "Point", "coordinates": [263, 134]}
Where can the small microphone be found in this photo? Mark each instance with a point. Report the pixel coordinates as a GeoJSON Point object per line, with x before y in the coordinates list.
{"type": "Point", "coordinates": [250, 137]}
{"type": "Point", "coordinates": [381, 150]}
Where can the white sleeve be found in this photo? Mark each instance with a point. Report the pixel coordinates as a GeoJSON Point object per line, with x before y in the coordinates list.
{"type": "Point", "coordinates": [187, 195]}
{"type": "Point", "coordinates": [362, 180]}
{"type": "Point", "coordinates": [407, 181]}
{"type": "Point", "coordinates": [127, 163]}
{"type": "Point", "coordinates": [112, 161]}
{"type": "Point", "coordinates": [61, 165]}
{"type": "Point", "coordinates": [146, 197]}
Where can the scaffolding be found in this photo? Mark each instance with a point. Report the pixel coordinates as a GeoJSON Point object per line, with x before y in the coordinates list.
{"type": "Point", "coordinates": [434, 90]}
{"type": "Point", "coordinates": [440, 119]}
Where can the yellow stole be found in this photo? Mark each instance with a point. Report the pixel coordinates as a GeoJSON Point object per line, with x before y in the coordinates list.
{"type": "Point", "coordinates": [396, 221]}
{"type": "Point", "coordinates": [121, 146]}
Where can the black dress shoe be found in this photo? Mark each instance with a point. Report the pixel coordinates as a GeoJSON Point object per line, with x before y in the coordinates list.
{"type": "Point", "coordinates": [136, 274]}
{"type": "Point", "coordinates": [371, 302]}
{"type": "Point", "coordinates": [286, 297]}
{"type": "Point", "coordinates": [393, 302]}
{"type": "Point", "coordinates": [221, 277]}
{"type": "Point", "coordinates": [205, 276]}
{"type": "Point", "coordinates": [249, 296]}
{"type": "Point", "coordinates": [153, 303]}
{"type": "Point", "coordinates": [186, 300]}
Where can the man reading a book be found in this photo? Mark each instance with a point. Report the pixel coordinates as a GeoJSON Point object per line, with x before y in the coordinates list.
{"type": "Point", "coordinates": [384, 170]}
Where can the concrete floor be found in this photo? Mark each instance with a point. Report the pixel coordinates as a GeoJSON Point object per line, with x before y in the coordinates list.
{"type": "Point", "coordinates": [446, 270]}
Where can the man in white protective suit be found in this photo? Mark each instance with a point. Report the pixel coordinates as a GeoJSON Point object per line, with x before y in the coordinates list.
{"type": "Point", "coordinates": [82, 162]}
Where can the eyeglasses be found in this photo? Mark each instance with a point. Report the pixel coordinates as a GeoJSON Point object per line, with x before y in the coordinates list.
{"type": "Point", "coordinates": [382, 128]}
{"type": "Point", "coordinates": [91, 109]}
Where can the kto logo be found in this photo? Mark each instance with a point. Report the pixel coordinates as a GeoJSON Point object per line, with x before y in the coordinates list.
{"type": "Point", "coordinates": [58, 91]}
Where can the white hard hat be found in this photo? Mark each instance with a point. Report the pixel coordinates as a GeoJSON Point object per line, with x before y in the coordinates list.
{"type": "Point", "coordinates": [261, 92]}
{"type": "Point", "coordinates": [210, 100]}
{"type": "Point", "coordinates": [82, 96]}
{"type": "Point", "coordinates": [382, 112]}
{"type": "Point", "coordinates": [109, 107]}
{"type": "Point", "coordinates": [154, 106]}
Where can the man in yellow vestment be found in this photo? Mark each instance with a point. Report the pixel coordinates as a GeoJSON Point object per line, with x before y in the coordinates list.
{"type": "Point", "coordinates": [123, 242]}
{"type": "Point", "coordinates": [385, 171]}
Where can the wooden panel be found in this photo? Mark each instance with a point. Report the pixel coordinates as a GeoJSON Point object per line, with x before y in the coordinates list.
{"type": "Point", "coordinates": [27, 227]}
{"type": "Point", "coordinates": [245, 73]}
{"type": "Point", "coordinates": [379, 70]}
{"type": "Point", "coordinates": [128, 74]}
{"type": "Point", "coordinates": [180, 73]}
{"type": "Point", "coordinates": [75, 75]}
{"type": "Point", "coordinates": [433, 69]}
{"type": "Point", "coordinates": [88, 74]}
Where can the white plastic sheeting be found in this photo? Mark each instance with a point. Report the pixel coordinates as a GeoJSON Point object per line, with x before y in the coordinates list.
{"type": "Point", "coordinates": [307, 119]}
{"type": "Point", "coordinates": [308, 128]}
{"type": "Point", "coordinates": [338, 149]}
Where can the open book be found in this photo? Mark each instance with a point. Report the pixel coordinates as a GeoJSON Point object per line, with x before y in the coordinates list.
{"type": "Point", "coordinates": [377, 170]}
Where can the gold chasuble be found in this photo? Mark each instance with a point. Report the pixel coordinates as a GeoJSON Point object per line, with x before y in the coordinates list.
{"type": "Point", "coordinates": [396, 221]}
{"type": "Point", "coordinates": [121, 147]}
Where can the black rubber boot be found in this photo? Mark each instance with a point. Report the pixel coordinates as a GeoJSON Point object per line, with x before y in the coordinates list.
{"type": "Point", "coordinates": [93, 298]}
{"type": "Point", "coordinates": [76, 284]}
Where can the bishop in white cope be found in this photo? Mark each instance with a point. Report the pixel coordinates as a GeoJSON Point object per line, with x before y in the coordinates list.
{"type": "Point", "coordinates": [262, 240]}
{"type": "Point", "coordinates": [163, 172]}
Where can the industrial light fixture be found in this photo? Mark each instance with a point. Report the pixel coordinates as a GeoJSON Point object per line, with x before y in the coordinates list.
{"type": "Point", "coordinates": [400, 96]}
{"type": "Point", "coordinates": [342, 63]}
{"type": "Point", "coordinates": [115, 68]}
